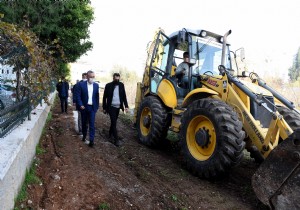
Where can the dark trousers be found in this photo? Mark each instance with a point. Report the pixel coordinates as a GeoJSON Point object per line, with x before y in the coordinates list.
{"type": "Point", "coordinates": [64, 104]}
{"type": "Point", "coordinates": [79, 122]}
{"type": "Point", "coordinates": [113, 114]}
{"type": "Point", "coordinates": [88, 120]}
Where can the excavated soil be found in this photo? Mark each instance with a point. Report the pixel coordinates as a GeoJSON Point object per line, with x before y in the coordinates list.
{"type": "Point", "coordinates": [75, 176]}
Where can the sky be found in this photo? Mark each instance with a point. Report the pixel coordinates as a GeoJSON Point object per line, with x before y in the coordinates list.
{"type": "Point", "coordinates": [268, 30]}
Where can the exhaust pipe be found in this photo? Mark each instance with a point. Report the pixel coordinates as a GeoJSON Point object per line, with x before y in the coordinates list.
{"type": "Point", "coordinates": [224, 46]}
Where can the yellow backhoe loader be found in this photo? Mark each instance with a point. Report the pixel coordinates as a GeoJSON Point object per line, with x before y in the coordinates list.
{"type": "Point", "coordinates": [218, 113]}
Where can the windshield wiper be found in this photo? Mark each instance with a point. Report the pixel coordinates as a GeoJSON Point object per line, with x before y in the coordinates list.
{"type": "Point", "coordinates": [203, 46]}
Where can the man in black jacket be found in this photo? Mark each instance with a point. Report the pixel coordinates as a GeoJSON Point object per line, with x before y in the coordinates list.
{"type": "Point", "coordinates": [114, 99]}
{"type": "Point", "coordinates": [63, 92]}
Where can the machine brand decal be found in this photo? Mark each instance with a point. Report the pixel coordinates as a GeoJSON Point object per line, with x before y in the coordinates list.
{"type": "Point", "coordinates": [253, 127]}
{"type": "Point", "coordinates": [212, 82]}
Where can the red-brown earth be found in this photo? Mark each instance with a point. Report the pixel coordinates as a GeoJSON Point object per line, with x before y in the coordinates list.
{"type": "Point", "coordinates": [133, 176]}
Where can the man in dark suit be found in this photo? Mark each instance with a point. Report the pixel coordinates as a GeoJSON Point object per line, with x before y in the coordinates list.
{"type": "Point", "coordinates": [79, 120]}
{"type": "Point", "coordinates": [87, 94]}
{"type": "Point", "coordinates": [63, 92]}
{"type": "Point", "coordinates": [114, 99]}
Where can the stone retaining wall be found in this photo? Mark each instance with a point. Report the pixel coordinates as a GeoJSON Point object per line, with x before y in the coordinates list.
{"type": "Point", "coordinates": [17, 151]}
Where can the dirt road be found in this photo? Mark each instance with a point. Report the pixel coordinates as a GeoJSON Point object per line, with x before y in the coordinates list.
{"type": "Point", "coordinates": [133, 176]}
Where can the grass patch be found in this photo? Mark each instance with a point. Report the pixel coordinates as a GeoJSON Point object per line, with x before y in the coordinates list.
{"type": "Point", "coordinates": [143, 174]}
{"type": "Point", "coordinates": [172, 136]}
{"type": "Point", "coordinates": [166, 174]}
{"type": "Point", "coordinates": [183, 173]}
{"type": "Point", "coordinates": [39, 150]}
{"type": "Point", "coordinates": [49, 117]}
{"type": "Point", "coordinates": [126, 118]}
{"type": "Point", "coordinates": [30, 175]}
{"type": "Point", "coordinates": [104, 206]}
{"type": "Point", "coordinates": [178, 202]}
{"type": "Point", "coordinates": [60, 144]}
{"type": "Point", "coordinates": [30, 178]}
{"type": "Point", "coordinates": [174, 198]}
{"type": "Point", "coordinates": [60, 130]}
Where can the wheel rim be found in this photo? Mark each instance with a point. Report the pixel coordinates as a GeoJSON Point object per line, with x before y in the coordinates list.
{"type": "Point", "coordinates": [201, 149]}
{"type": "Point", "coordinates": [145, 121]}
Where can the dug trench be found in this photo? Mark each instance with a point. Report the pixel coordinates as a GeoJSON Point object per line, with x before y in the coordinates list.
{"type": "Point", "coordinates": [133, 176]}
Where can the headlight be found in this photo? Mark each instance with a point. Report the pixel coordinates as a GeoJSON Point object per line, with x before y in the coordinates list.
{"type": "Point", "coordinates": [203, 33]}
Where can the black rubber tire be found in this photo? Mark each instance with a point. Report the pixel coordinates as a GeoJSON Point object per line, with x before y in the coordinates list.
{"type": "Point", "coordinates": [292, 118]}
{"type": "Point", "coordinates": [159, 123]}
{"type": "Point", "coordinates": [228, 151]}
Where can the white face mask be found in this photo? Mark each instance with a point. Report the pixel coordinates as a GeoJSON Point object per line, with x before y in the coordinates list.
{"type": "Point", "coordinates": [91, 80]}
{"type": "Point", "coordinates": [84, 79]}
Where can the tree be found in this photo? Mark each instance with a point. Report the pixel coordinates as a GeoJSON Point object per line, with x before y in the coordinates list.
{"type": "Point", "coordinates": [31, 62]}
{"type": "Point", "coordinates": [127, 76]}
{"type": "Point", "coordinates": [62, 26]}
{"type": "Point", "coordinates": [294, 71]}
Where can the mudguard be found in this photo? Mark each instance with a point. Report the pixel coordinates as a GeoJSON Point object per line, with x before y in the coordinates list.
{"type": "Point", "coordinates": [277, 180]}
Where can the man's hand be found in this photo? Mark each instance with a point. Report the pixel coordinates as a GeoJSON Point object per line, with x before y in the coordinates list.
{"type": "Point", "coordinates": [82, 107]}
{"type": "Point", "coordinates": [126, 110]}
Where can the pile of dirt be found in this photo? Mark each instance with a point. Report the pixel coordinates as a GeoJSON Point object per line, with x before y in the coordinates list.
{"type": "Point", "coordinates": [75, 176]}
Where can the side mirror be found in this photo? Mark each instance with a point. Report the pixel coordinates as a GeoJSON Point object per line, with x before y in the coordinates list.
{"type": "Point", "coordinates": [181, 37]}
{"type": "Point", "coordinates": [242, 54]}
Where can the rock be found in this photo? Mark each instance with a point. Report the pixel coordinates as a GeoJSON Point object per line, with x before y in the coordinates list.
{"type": "Point", "coordinates": [29, 202]}
{"type": "Point", "coordinates": [55, 177]}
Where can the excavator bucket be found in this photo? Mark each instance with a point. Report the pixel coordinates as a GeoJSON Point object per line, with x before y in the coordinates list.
{"type": "Point", "coordinates": [277, 180]}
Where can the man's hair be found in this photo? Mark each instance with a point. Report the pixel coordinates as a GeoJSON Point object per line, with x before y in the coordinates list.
{"type": "Point", "coordinates": [89, 72]}
{"type": "Point", "coordinates": [116, 75]}
{"type": "Point", "coordinates": [84, 74]}
{"type": "Point", "coordinates": [186, 55]}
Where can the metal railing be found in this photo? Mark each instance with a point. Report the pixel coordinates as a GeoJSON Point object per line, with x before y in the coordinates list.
{"type": "Point", "coordinates": [14, 115]}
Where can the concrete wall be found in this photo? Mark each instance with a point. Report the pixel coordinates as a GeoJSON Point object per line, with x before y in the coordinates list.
{"type": "Point", "coordinates": [17, 151]}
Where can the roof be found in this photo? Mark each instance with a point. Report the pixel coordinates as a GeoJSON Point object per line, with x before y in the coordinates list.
{"type": "Point", "coordinates": [194, 32]}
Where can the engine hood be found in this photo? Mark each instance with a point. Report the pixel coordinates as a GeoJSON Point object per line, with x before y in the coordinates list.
{"type": "Point", "coordinates": [256, 89]}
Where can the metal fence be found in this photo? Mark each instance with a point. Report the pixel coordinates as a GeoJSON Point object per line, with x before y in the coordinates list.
{"type": "Point", "coordinates": [13, 115]}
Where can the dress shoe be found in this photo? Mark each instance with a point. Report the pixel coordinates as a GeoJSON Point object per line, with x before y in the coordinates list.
{"type": "Point", "coordinates": [109, 138]}
{"type": "Point", "coordinates": [91, 144]}
{"type": "Point", "coordinates": [117, 143]}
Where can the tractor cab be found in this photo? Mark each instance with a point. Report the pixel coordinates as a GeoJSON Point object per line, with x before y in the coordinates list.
{"type": "Point", "coordinates": [205, 55]}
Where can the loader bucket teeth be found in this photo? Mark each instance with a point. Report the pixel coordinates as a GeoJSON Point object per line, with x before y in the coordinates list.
{"type": "Point", "coordinates": [277, 180]}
